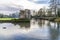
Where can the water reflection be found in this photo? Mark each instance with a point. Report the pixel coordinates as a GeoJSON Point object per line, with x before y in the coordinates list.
{"type": "Point", "coordinates": [41, 22]}
{"type": "Point", "coordinates": [33, 30]}
{"type": "Point", "coordinates": [41, 32]}
{"type": "Point", "coordinates": [23, 25]}
{"type": "Point", "coordinates": [54, 30]}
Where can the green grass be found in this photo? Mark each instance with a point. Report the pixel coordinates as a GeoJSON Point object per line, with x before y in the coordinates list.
{"type": "Point", "coordinates": [6, 18]}
{"type": "Point", "coordinates": [13, 20]}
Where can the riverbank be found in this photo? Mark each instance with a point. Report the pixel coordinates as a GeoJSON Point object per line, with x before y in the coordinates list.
{"type": "Point", "coordinates": [54, 19]}
{"type": "Point", "coordinates": [57, 20]}
{"type": "Point", "coordinates": [13, 20]}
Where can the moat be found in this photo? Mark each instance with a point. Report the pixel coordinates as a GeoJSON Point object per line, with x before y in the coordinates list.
{"type": "Point", "coordinates": [36, 29]}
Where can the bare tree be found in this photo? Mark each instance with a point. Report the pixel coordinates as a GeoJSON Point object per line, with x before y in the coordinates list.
{"type": "Point", "coordinates": [53, 5]}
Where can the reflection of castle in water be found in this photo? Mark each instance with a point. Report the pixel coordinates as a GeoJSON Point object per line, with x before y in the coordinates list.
{"type": "Point", "coordinates": [23, 25]}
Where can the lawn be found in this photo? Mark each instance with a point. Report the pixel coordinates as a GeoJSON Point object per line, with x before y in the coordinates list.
{"type": "Point", "coordinates": [13, 20]}
{"type": "Point", "coordinates": [7, 18]}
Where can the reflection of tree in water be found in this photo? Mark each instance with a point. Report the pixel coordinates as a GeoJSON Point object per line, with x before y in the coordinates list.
{"type": "Point", "coordinates": [54, 32]}
{"type": "Point", "coordinates": [48, 24]}
{"type": "Point", "coordinates": [41, 23]}
{"type": "Point", "coordinates": [23, 25]}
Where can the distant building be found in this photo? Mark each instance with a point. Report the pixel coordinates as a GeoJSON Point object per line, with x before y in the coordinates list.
{"type": "Point", "coordinates": [33, 13]}
{"type": "Point", "coordinates": [28, 13]}
{"type": "Point", "coordinates": [22, 14]}
{"type": "Point", "coordinates": [25, 14]}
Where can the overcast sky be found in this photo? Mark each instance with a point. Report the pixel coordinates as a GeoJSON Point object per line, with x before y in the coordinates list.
{"type": "Point", "coordinates": [28, 4]}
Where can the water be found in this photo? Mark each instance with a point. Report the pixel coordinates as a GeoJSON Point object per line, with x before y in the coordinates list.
{"type": "Point", "coordinates": [35, 30]}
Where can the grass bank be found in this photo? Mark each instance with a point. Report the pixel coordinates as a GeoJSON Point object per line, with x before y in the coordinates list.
{"type": "Point", "coordinates": [13, 20]}
{"type": "Point", "coordinates": [57, 19]}
{"type": "Point", "coordinates": [53, 19]}
{"type": "Point", "coordinates": [6, 19]}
